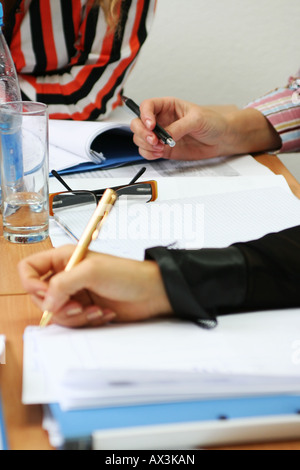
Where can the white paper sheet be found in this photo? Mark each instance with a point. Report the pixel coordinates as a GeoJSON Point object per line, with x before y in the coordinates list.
{"type": "Point", "coordinates": [235, 210]}
{"type": "Point", "coordinates": [246, 354]}
{"type": "Point", "coordinates": [2, 349]}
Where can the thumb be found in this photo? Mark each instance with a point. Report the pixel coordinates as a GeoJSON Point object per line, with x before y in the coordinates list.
{"type": "Point", "coordinates": [181, 128]}
{"type": "Point", "coordinates": [150, 109]}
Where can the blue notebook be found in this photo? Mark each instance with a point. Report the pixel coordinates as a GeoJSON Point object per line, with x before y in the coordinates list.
{"type": "Point", "coordinates": [77, 426]}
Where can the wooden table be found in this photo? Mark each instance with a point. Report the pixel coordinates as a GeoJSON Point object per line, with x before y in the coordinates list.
{"type": "Point", "coordinates": [23, 423]}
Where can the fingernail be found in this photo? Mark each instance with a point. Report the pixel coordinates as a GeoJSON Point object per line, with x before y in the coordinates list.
{"type": "Point", "coordinates": [74, 311]}
{"type": "Point", "coordinates": [150, 139]}
{"type": "Point", "coordinates": [48, 304]}
{"type": "Point", "coordinates": [110, 316]}
{"type": "Point", "coordinates": [159, 147]}
{"type": "Point", "coordinates": [94, 315]}
{"type": "Point", "coordinates": [41, 293]}
{"type": "Point", "coordinates": [148, 123]}
{"type": "Point", "coordinates": [157, 154]}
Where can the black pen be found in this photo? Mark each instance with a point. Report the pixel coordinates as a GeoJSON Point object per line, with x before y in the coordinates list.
{"type": "Point", "coordinates": [158, 130]}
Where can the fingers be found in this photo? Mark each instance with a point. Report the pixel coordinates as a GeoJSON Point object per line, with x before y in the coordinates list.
{"type": "Point", "coordinates": [149, 109]}
{"type": "Point", "coordinates": [68, 296]}
{"type": "Point", "coordinates": [33, 270]}
{"type": "Point", "coordinates": [148, 143]}
{"type": "Point", "coordinates": [100, 289]}
{"type": "Point", "coordinates": [150, 147]}
{"type": "Point", "coordinates": [179, 118]}
{"type": "Point", "coordinates": [67, 299]}
{"type": "Point", "coordinates": [74, 315]}
{"type": "Point", "coordinates": [65, 285]}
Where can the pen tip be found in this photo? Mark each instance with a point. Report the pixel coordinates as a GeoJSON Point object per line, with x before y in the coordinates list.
{"type": "Point", "coordinates": [171, 142]}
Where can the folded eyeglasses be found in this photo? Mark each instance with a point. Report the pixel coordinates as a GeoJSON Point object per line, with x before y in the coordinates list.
{"type": "Point", "coordinates": [145, 191]}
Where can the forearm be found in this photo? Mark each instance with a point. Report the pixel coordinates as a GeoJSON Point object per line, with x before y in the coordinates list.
{"type": "Point", "coordinates": [270, 123]}
{"type": "Point", "coordinates": [250, 132]}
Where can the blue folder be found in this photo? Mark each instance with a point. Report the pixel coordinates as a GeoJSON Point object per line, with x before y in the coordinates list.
{"type": "Point", "coordinates": [112, 162]}
{"type": "Point", "coordinates": [3, 439]}
{"type": "Point", "coordinates": [77, 426]}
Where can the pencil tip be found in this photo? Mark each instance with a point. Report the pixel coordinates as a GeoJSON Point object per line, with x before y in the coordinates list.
{"type": "Point", "coordinates": [45, 318]}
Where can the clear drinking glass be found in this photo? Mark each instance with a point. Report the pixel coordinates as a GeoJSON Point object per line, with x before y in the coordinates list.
{"type": "Point", "coordinates": [24, 170]}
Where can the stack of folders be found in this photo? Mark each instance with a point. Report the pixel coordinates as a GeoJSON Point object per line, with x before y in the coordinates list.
{"type": "Point", "coordinates": [164, 384]}
{"type": "Point", "coordinates": [3, 441]}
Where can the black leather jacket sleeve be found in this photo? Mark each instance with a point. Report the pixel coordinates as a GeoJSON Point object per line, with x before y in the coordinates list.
{"type": "Point", "coordinates": [260, 274]}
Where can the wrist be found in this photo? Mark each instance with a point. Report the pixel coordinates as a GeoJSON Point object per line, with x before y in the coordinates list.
{"type": "Point", "coordinates": [158, 300]}
{"type": "Point", "coordinates": [249, 131]}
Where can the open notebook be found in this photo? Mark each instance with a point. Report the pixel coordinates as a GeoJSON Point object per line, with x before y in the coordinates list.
{"type": "Point", "coordinates": [80, 146]}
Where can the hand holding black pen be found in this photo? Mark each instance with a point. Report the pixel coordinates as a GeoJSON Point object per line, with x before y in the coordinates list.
{"type": "Point", "coordinates": [158, 130]}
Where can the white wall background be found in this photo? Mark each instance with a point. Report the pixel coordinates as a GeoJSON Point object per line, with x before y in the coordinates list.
{"type": "Point", "coordinates": [219, 52]}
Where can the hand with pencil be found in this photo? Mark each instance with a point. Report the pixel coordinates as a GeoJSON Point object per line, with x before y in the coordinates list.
{"type": "Point", "coordinates": [201, 131]}
{"type": "Point", "coordinates": [76, 287]}
{"type": "Point", "coordinates": [99, 289]}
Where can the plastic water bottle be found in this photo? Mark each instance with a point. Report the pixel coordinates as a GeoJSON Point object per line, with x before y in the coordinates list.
{"type": "Point", "coordinates": [9, 85]}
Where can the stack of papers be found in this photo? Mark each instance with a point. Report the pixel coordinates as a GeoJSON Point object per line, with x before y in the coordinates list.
{"type": "Point", "coordinates": [162, 361]}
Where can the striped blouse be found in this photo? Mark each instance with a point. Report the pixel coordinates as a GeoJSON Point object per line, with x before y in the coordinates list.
{"type": "Point", "coordinates": [66, 57]}
{"type": "Point", "coordinates": [282, 108]}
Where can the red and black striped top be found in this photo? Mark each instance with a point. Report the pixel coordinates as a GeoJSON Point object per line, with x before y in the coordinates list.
{"type": "Point", "coordinates": [66, 56]}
